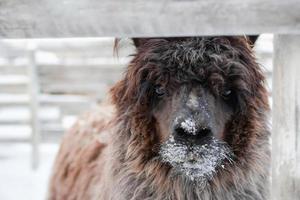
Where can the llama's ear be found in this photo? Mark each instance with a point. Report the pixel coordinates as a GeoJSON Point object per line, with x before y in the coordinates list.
{"type": "Point", "coordinates": [139, 41]}
{"type": "Point", "coordinates": [252, 39]}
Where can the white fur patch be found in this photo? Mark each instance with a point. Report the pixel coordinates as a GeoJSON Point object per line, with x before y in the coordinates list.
{"type": "Point", "coordinates": [193, 101]}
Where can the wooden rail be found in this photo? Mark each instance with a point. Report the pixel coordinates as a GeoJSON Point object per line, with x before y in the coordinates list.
{"type": "Point", "coordinates": [95, 18]}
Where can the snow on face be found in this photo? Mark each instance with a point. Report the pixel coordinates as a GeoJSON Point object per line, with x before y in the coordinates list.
{"type": "Point", "coordinates": [189, 125]}
{"type": "Point", "coordinates": [197, 162]}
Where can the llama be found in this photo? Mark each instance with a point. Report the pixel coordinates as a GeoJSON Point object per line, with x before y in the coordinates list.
{"type": "Point", "coordinates": [189, 121]}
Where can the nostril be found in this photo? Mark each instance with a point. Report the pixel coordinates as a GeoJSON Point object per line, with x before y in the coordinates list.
{"type": "Point", "coordinates": [181, 133]}
{"type": "Point", "coordinates": [204, 132]}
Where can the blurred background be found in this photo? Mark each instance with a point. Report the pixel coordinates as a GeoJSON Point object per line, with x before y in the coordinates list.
{"type": "Point", "coordinates": [45, 84]}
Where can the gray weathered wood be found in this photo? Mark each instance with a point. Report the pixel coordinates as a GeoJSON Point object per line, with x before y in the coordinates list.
{"type": "Point", "coordinates": [82, 18]}
{"type": "Point", "coordinates": [34, 107]}
{"type": "Point", "coordinates": [12, 69]}
{"type": "Point", "coordinates": [286, 118]}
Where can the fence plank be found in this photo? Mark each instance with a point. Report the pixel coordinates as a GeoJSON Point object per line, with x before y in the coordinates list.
{"type": "Point", "coordinates": [81, 18]}
{"type": "Point", "coordinates": [286, 118]}
{"type": "Point", "coordinates": [34, 107]}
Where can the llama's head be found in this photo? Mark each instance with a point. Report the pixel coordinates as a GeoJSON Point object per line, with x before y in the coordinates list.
{"type": "Point", "coordinates": [188, 102]}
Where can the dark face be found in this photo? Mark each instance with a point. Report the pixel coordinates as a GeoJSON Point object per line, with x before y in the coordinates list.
{"type": "Point", "coordinates": [193, 89]}
{"type": "Point", "coordinates": [193, 114]}
{"type": "Point", "coordinates": [192, 121]}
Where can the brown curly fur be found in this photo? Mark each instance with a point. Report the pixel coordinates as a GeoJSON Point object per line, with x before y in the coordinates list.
{"type": "Point", "coordinates": [103, 158]}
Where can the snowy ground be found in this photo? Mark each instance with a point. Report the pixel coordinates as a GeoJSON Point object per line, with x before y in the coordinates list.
{"type": "Point", "coordinates": [17, 180]}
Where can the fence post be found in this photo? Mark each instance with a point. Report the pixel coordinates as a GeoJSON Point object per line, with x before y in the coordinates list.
{"type": "Point", "coordinates": [286, 118]}
{"type": "Point", "coordinates": [34, 107]}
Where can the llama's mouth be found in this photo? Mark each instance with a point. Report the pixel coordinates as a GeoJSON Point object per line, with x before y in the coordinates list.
{"type": "Point", "coordinates": [197, 162]}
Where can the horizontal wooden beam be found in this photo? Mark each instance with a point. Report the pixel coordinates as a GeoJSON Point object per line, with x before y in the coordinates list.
{"type": "Point", "coordinates": [97, 18]}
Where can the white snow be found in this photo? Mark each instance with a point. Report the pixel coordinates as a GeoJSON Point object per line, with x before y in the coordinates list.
{"type": "Point", "coordinates": [196, 162]}
{"type": "Point", "coordinates": [189, 126]}
{"type": "Point", "coordinates": [18, 181]}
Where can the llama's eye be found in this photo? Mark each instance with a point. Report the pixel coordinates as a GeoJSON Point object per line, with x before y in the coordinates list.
{"type": "Point", "coordinates": [226, 93]}
{"type": "Point", "coordinates": [160, 91]}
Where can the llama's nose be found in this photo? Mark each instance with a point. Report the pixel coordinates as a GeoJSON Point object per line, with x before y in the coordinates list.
{"type": "Point", "coordinates": [189, 130]}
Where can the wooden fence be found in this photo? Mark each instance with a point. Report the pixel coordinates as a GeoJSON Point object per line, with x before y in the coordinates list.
{"type": "Point", "coordinates": [44, 91]}
{"type": "Point", "coordinates": [120, 18]}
